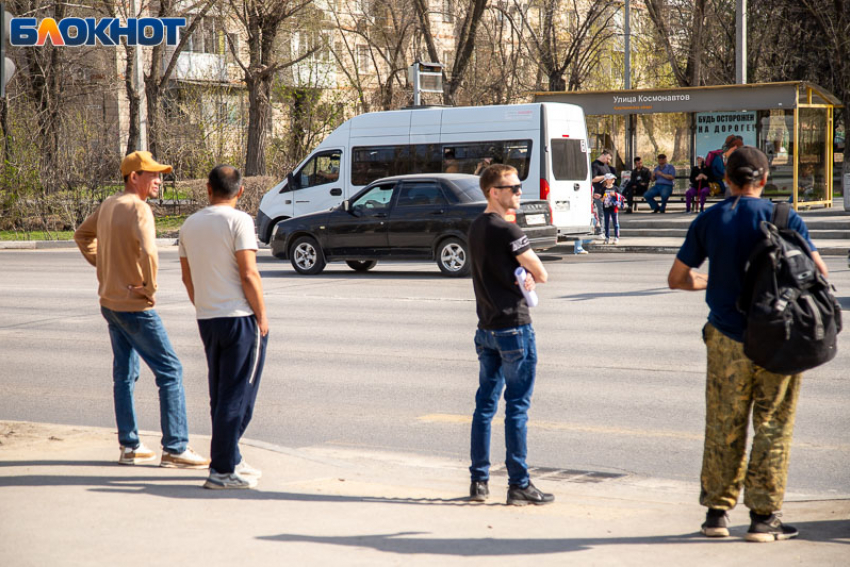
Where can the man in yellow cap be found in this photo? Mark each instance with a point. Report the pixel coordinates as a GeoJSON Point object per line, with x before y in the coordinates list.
{"type": "Point", "coordinates": [119, 239]}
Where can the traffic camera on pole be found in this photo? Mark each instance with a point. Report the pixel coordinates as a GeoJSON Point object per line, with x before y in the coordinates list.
{"type": "Point", "coordinates": [425, 78]}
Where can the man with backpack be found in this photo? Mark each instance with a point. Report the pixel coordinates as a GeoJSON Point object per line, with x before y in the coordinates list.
{"type": "Point", "coordinates": [726, 234]}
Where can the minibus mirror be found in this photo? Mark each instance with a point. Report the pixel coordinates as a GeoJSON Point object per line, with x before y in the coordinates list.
{"type": "Point", "coordinates": [290, 180]}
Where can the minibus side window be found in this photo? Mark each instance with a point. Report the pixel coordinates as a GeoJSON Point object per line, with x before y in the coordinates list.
{"type": "Point", "coordinates": [322, 168]}
{"type": "Point", "coordinates": [369, 164]}
{"type": "Point", "coordinates": [426, 158]}
{"type": "Point", "coordinates": [475, 157]}
{"type": "Point", "coordinates": [569, 161]}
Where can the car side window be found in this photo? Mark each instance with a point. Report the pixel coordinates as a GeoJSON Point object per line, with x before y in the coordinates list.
{"type": "Point", "coordinates": [420, 193]}
{"type": "Point", "coordinates": [376, 199]}
{"type": "Point", "coordinates": [321, 169]}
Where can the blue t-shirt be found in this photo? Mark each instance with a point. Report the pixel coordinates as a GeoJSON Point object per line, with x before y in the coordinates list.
{"type": "Point", "coordinates": [726, 234]}
{"type": "Point", "coordinates": [669, 169]}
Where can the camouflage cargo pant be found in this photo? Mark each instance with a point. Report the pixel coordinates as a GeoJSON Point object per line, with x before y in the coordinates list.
{"type": "Point", "coordinates": [734, 387]}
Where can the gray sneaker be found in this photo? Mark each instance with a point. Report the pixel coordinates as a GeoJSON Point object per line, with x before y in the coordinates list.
{"type": "Point", "coordinates": [768, 528]}
{"type": "Point", "coordinates": [716, 523]}
{"type": "Point", "coordinates": [225, 481]}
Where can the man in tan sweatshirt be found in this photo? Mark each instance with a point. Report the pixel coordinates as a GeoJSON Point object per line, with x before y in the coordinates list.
{"type": "Point", "coordinates": [119, 239]}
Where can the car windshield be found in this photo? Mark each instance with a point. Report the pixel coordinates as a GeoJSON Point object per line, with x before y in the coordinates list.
{"type": "Point", "coordinates": [468, 190]}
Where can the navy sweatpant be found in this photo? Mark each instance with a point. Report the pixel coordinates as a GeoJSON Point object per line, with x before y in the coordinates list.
{"type": "Point", "coordinates": [235, 356]}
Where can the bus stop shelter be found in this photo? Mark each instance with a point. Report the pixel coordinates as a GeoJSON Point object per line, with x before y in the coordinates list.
{"type": "Point", "coordinates": [792, 122]}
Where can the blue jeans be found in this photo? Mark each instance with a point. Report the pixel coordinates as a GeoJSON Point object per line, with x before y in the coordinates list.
{"type": "Point", "coordinates": [141, 333]}
{"type": "Point", "coordinates": [664, 190]}
{"type": "Point", "coordinates": [507, 358]}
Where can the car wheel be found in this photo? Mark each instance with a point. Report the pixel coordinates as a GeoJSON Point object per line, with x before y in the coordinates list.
{"type": "Point", "coordinates": [453, 257]}
{"type": "Point", "coordinates": [307, 257]}
{"type": "Point", "coordinates": [363, 266]}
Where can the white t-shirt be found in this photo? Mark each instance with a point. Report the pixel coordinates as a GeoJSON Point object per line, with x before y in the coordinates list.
{"type": "Point", "coordinates": [209, 239]}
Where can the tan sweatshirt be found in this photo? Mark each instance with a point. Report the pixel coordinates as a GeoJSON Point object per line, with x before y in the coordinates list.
{"type": "Point", "coordinates": [119, 239]}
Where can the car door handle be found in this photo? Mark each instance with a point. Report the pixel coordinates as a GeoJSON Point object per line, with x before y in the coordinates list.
{"type": "Point", "coordinates": [576, 186]}
{"type": "Point", "coordinates": [288, 202]}
{"type": "Point", "coordinates": [302, 201]}
{"type": "Point", "coordinates": [380, 215]}
{"type": "Point", "coordinates": [336, 192]}
{"type": "Point", "coordinates": [439, 212]}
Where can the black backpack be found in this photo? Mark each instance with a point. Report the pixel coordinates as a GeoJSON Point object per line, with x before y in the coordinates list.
{"type": "Point", "coordinates": [793, 318]}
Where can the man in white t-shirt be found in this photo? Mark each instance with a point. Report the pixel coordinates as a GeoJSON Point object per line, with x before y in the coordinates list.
{"type": "Point", "coordinates": [218, 257]}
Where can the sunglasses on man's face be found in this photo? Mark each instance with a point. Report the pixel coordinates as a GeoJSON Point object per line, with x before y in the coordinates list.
{"type": "Point", "coordinates": [515, 189]}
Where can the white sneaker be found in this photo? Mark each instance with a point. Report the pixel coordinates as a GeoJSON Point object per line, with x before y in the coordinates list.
{"type": "Point", "coordinates": [616, 241]}
{"type": "Point", "coordinates": [582, 251]}
{"type": "Point", "coordinates": [606, 241]}
{"type": "Point", "coordinates": [140, 454]}
{"type": "Point", "coordinates": [188, 459]}
{"type": "Point", "coordinates": [244, 469]}
{"type": "Point", "coordinates": [224, 481]}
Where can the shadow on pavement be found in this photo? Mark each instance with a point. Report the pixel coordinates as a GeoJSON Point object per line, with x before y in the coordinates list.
{"type": "Point", "coordinates": [190, 487]}
{"type": "Point", "coordinates": [607, 294]}
{"type": "Point", "coordinates": [844, 302]}
{"type": "Point", "coordinates": [402, 543]}
{"type": "Point", "coordinates": [834, 531]}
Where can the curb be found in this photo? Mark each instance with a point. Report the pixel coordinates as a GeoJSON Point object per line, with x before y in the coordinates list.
{"type": "Point", "coordinates": [59, 244]}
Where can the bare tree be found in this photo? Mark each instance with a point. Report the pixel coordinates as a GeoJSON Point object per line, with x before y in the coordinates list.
{"type": "Point", "coordinates": [261, 21]}
{"type": "Point", "coordinates": [161, 71]}
{"type": "Point", "coordinates": [469, 17]}
{"type": "Point", "coordinates": [374, 43]}
{"type": "Point", "coordinates": [568, 39]}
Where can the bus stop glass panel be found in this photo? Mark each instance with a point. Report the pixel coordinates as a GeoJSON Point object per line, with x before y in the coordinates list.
{"type": "Point", "coordinates": [776, 139]}
{"type": "Point", "coordinates": [812, 167]}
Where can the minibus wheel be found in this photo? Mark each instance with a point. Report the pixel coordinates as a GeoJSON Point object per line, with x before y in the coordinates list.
{"type": "Point", "coordinates": [307, 257]}
{"type": "Point", "coordinates": [453, 257]}
{"type": "Point", "coordinates": [363, 266]}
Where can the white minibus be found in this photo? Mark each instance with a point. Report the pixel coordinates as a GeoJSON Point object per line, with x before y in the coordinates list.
{"type": "Point", "coordinates": [546, 142]}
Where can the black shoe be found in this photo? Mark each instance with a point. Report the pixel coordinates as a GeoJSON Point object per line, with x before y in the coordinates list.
{"type": "Point", "coordinates": [767, 528]}
{"type": "Point", "coordinates": [478, 491]}
{"type": "Point", "coordinates": [655, 211]}
{"type": "Point", "coordinates": [518, 496]}
{"type": "Point", "coordinates": [716, 523]}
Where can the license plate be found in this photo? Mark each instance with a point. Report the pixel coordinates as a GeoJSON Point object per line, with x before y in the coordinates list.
{"type": "Point", "coordinates": [535, 219]}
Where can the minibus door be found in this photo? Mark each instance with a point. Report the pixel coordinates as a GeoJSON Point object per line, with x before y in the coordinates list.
{"type": "Point", "coordinates": [317, 185]}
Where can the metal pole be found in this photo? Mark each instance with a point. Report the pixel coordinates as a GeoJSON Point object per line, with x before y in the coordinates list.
{"type": "Point", "coordinates": [741, 43]}
{"type": "Point", "coordinates": [627, 54]}
{"type": "Point", "coordinates": [416, 94]}
{"type": "Point", "coordinates": [138, 86]}
{"type": "Point", "coordinates": [2, 50]}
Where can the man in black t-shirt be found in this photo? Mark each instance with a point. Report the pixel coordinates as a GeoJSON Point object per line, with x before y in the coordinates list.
{"type": "Point", "coordinates": [599, 168]}
{"type": "Point", "coordinates": [507, 353]}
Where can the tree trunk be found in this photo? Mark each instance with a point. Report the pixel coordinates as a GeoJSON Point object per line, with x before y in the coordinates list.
{"type": "Point", "coordinates": [556, 81]}
{"type": "Point", "coordinates": [694, 70]}
{"type": "Point", "coordinates": [133, 100]}
{"type": "Point", "coordinates": [259, 112]}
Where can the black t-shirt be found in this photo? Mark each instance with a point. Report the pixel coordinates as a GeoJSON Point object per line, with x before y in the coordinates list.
{"type": "Point", "coordinates": [494, 244]}
{"type": "Point", "coordinates": [598, 168]}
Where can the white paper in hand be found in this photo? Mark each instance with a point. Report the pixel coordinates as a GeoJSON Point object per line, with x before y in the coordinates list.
{"type": "Point", "coordinates": [530, 296]}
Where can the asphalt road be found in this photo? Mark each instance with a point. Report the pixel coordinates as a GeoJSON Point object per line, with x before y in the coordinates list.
{"type": "Point", "coordinates": [385, 361]}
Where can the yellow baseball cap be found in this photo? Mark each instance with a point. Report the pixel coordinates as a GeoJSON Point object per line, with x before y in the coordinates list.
{"type": "Point", "coordinates": [142, 161]}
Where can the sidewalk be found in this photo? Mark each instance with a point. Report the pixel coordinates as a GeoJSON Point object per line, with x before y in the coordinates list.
{"type": "Point", "coordinates": [64, 501]}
